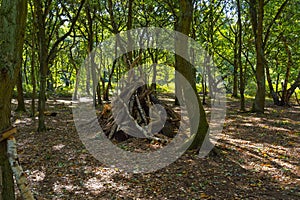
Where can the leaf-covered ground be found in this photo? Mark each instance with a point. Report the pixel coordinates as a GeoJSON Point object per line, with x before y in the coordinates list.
{"type": "Point", "coordinates": [258, 158]}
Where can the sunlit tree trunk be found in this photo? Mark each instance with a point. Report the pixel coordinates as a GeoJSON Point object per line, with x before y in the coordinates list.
{"type": "Point", "coordinates": [12, 25]}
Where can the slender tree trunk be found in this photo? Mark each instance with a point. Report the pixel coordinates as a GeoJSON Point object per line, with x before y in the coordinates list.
{"type": "Point", "coordinates": [272, 92]}
{"type": "Point", "coordinates": [204, 77]}
{"type": "Point", "coordinates": [278, 75]}
{"type": "Point", "coordinates": [42, 96]}
{"type": "Point", "coordinates": [20, 97]}
{"type": "Point", "coordinates": [154, 59]}
{"type": "Point", "coordinates": [99, 99]}
{"type": "Point", "coordinates": [91, 55]}
{"type": "Point", "coordinates": [43, 81]}
{"type": "Point", "coordinates": [33, 81]}
{"type": "Point", "coordinates": [285, 98]}
{"type": "Point", "coordinates": [75, 96]}
{"type": "Point", "coordinates": [108, 87]}
{"type": "Point", "coordinates": [257, 25]}
{"type": "Point", "coordinates": [239, 56]}
{"type": "Point", "coordinates": [295, 85]}
{"type": "Point", "coordinates": [88, 79]}
{"type": "Point", "coordinates": [235, 69]}
{"type": "Point", "coordinates": [13, 15]}
{"type": "Point", "coordinates": [32, 63]}
{"type": "Point", "coordinates": [43, 63]}
{"type": "Point", "coordinates": [129, 27]}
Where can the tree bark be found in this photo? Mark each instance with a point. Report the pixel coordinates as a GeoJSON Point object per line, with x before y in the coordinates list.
{"type": "Point", "coordinates": [257, 18]}
{"type": "Point", "coordinates": [43, 61]}
{"type": "Point", "coordinates": [32, 67]}
{"type": "Point", "coordinates": [235, 68]}
{"type": "Point", "coordinates": [91, 55]}
{"type": "Point", "coordinates": [295, 85]}
{"type": "Point", "coordinates": [12, 25]}
{"type": "Point", "coordinates": [239, 56]}
{"type": "Point", "coordinates": [186, 69]}
{"type": "Point", "coordinates": [285, 98]}
{"type": "Point", "coordinates": [272, 92]}
{"type": "Point", "coordinates": [20, 97]}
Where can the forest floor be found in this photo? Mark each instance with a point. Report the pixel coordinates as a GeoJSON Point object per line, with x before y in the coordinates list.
{"type": "Point", "coordinates": [259, 158]}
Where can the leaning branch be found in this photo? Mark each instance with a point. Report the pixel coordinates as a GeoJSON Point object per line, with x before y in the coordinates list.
{"type": "Point", "coordinates": [17, 170]}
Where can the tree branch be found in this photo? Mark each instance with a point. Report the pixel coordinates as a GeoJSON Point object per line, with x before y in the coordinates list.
{"type": "Point", "coordinates": [273, 22]}
{"type": "Point", "coordinates": [62, 38]}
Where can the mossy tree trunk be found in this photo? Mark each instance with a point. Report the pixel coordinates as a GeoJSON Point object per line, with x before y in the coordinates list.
{"type": "Point", "coordinates": [12, 25]}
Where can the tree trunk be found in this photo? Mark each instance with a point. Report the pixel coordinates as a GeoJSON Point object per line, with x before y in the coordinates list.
{"type": "Point", "coordinates": [239, 56]}
{"type": "Point", "coordinates": [43, 61]}
{"type": "Point", "coordinates": [129, 27]}
{"type": "Point", "coordinates": [292, 89]}
{"type": "Point", "coordinates": [184, 67]}
{"type": "Point", "coordinates": [91, 55]}
{"type": "Point", "coordinates": [20, 97]}
{"type": "Point", "coordinates": [33, 81]}
{"type": "Point", "coordinates": [12, 25]}
{"type": "Point", "coordinates": [235, 68]}
{"type": "Point", "coordinates": [285, 98]}
{"type": "Point", "coordinates": [42, 95]}
{"type": "Point", "coordinates": [257, 25]}
{"type": "Point", "coordinates": [75, 96]}
{"type": "Point", "coordinates": [32, 67]}
{"type": "Point", "coordinates": [272, 92]}
{"type": "Point", "coordinates": [99, 99]}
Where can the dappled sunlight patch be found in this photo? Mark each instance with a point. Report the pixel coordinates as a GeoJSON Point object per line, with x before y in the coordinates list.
{"type": "Point", "coordinates": [24, 121]}
{"type": "Point", "coordinates": [37, 176]}
{"type": "Point", "coordinates": [60, 188]}
{"type": "Point", "coordinates": [58, 147]}
{"type": "Point", "coordinates": [277, 161]}
{"type": "Point", "coordinates": [103, 180]}
{"type": "Point", "coordinates": [248, 124]}
{"type": "Point", "coordinates": [94, 184]}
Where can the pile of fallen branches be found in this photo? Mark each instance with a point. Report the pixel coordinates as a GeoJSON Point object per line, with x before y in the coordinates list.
{"type": "Point", "coordinates": [139, 113]}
